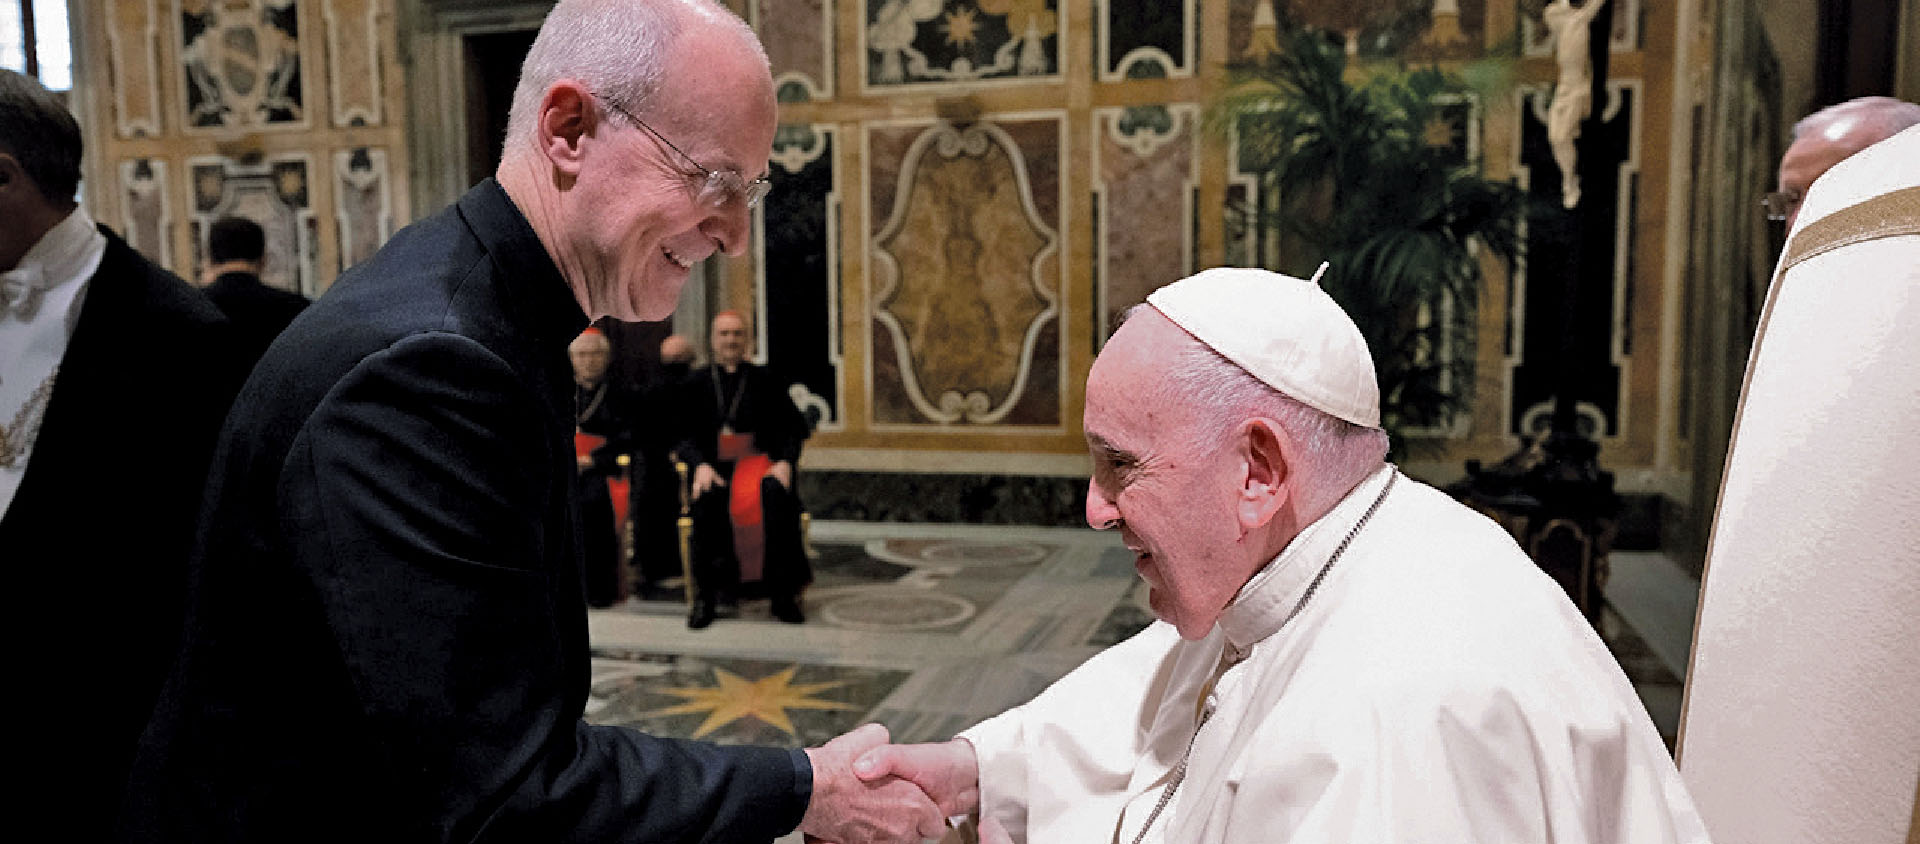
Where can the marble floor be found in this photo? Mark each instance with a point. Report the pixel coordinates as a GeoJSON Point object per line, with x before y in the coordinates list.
{"type": "Point", "coordinates": [930, 628]}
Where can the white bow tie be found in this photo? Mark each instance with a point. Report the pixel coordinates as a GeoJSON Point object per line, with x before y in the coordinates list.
{"type": "Point", "coordinates": [20, 291]}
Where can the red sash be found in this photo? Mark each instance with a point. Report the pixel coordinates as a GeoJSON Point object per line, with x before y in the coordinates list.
{"type": "Point", "coordinates": [743, 503]}
{"type": "Point", "coordinates": [617, 484]}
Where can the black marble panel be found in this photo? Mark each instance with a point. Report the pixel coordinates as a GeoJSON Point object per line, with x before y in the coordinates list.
{"type": "Point", "coordinates": [798, 261]}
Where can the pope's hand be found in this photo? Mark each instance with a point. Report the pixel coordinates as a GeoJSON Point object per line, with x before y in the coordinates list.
{"type": "Point", "coordinates": [849, 809]}
{"type": "Point", "coordinates": [948, 772]}
{"type": "Point", "coordinates": [705, 478]}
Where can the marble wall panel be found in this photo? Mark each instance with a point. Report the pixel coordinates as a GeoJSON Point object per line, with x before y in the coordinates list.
{"type": "Point", "coordinates": [1442, 28]}
{"type": "Point", "coordinates": [797, 262]}
{"type": "Point", "coordinates": [133, 45]}
{"type": "Point", "coordinates": [353, 60]}
{"type": "Point", "coordinates": [362, 203]}
{"type": "Point", "coordinates": [146, 219]}
{"type": "Point", "coordinates": [273, 192]}
{"type": "Point", "coordinates": [1592, 265]}
{"type": "Point", "coordinates": [798, 35]}
{"type": "Point", "coordinates": [913, 42]}
{"type": "Point", "coordinates": [241, 64]}
{"type": "Point", "coordinates": [1145, 39]}
{"type": "Point", "coordinates": [965, 272]}
{"type": "Point", "coordinates": [1145, 172]}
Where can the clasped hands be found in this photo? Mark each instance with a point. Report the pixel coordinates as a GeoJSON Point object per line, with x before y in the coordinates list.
{"type": "Point", "coordinates": [867, 790]}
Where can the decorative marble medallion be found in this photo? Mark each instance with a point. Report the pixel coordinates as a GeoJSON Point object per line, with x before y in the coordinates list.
{"type": "Point", "coordinates": [941, 552]}
{"type": "Point", "coordinates": [895, 609]}
{"type": "Point", "coordinates": [910, 42]}
{"type": "Point", "coordinates": [966, 272]}
{"type": "Point", "coordinates": [273, 193]}
{"type": "Point", "coordinates": [241, 64]}
{"type": "Point", "coordinates": [734, 701]}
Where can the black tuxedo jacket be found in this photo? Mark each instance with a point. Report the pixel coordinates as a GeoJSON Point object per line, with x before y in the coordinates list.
{"type": "Point", "coordinates": [387, 639]}
{"type": "Point", "coordinates": [258, 312]}
{"type": "Point", "coordinates": [95, 542]}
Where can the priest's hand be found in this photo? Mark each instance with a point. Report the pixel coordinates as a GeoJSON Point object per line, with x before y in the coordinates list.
{"type": "Point", "coordinates": [782, 471]}
{"type": "Point", "coordinates": [851, 809]}
{"type": "Point", "coordinates": [948, 772]}
{"type": "Point", "coordinates": [705, 478]}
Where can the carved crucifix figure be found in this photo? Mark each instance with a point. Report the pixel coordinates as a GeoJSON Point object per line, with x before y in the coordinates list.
{"type": "Point", "coordinates": [1567, 26]}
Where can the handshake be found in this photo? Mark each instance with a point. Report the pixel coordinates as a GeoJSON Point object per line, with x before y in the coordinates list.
{"type": "Point", "coordinates": [867, 790]}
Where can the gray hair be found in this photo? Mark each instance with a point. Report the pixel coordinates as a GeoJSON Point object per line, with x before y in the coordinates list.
{"type": "Point", "coordinates": [1879, 118]}
{"type": "Point", "coordinates": [41, 134]}
{"type": "Point", "coordinates": [617, 48]}
{"type": "Point", "coordinates": [1337, 454]}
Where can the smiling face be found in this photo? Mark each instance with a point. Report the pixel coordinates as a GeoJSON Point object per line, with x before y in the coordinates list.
{"type": "Point", "coordinates": [636, 221]}
{"type": "Point", "coordinates": [1161, 478]}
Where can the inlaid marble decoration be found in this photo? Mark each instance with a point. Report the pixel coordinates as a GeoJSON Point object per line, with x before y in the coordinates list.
{"type": "Point", "coordinates": [1547, 273]}
{"type": "Point", "coordinates": [240, 64]}
{"type": "Point", "coordinates": [1430, 29]}
{"type": "Point", "coordinates": [941, 41]}
{"type": "Point", "coordinates": [274, 193]}
{"type": "Point", "coordinates": [797, 271]}
{"type": "Point", "coordinates": [1534, 40]}
{"type": "Point", "coordinates": [353, 60]}
{"type": "Point", "coordinates": [798, 35]}
{"type": "Point", "coordinates": [133, 44]}
{"type": "Point", "coordinates": [1145, 39]}
{"type": "Point", "coordinates": [965, 272]}
{"type": "Point", "coordinates": [145, 217]}
{"type": "Point", "coordinates": [1145, 171]}
{"type": "Point", "coordinates": [363, 203]}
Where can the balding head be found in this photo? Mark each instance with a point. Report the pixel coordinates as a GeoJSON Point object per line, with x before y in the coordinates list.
{"type": "Point", "coordinates": [1828, 136]}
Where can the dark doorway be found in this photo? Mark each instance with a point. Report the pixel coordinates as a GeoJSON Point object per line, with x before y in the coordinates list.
{"type": "Point", "coordinates": [493, 68]}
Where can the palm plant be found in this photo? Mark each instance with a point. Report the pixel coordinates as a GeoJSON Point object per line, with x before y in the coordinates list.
{"type": "Point", "coordinates": [1370, 178]}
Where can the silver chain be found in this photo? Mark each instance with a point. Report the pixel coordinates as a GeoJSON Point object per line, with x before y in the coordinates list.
{"type": "Point", "coordinates": [1179, 774]}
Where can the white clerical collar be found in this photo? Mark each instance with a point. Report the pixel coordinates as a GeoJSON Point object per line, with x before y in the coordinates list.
{"type": "Point", "coordinates": [1269, 596]}
{"type": "Point", "coordinates": [63, 252]}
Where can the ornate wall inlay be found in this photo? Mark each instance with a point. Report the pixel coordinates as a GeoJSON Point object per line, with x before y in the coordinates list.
{"type": "Point", "coordinates": [939, 41]}
{"type": "Point", "coordinates": [273, 193]}
{"type": "Point", "coordinates": [1439, 28]}
{"type": "Point", "coordinates": [798, 35]}
{"type": "Point", "coordinates": [353, 60]}
{"type": "Point", "coordinates": [1145, 39]}
{"type": "Point", "coordinates": [797, 269]}
{"type": "Point", "coordinates": [362, 203]}
{"type": "Point", "coordinates": [965, 272]}
{"type": "Point", "coordinates": [1600, 277]}
{"type": "Point", "coordinates": [133, 44]}
{"type": "Point", "coordinates": [241, 64]}
{"type": "Point", "coordinates": [1145, 172]}
{"type": "Point", "coordinates": [145, 218]}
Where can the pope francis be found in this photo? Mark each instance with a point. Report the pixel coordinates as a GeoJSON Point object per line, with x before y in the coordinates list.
{"type": "Point", "coordinates": [1343, 653]}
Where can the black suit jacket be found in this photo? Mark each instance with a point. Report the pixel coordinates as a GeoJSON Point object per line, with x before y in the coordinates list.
{"type": "Point", "coordinates": [258, 312]}
{"type": "Point", "coordinates": [388, 638]}
{"type": "Point", "coordinates": [95, 542]}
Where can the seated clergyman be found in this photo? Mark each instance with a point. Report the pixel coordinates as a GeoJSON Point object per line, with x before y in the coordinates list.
{"type": "Point", "coordinates": [741, 436]}
{"type": "Point", "coordinates": [1344, 653]}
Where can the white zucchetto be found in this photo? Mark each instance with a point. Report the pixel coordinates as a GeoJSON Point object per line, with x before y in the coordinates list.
{"type": "Point", "coordinates": [1284, 331]}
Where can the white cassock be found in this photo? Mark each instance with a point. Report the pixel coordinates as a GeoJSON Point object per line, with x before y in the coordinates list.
{"type": "Point", "coordinates": [1803, 705]}
{"type": "Point", "coordinates": [1438, 687]}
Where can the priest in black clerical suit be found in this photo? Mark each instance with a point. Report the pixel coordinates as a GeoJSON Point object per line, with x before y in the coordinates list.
{"type": "Point", "coordinates": [601, 437]}
{"type": "Point", "coordinates": [237, 248]}
{"type": "Point", "coordinates": [114, 376]}
{"type": "Point", "coordinates": [742, 435]}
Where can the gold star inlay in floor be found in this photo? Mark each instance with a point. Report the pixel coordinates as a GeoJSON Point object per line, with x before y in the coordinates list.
{"type": "Point", "coordinates": [767, 699]}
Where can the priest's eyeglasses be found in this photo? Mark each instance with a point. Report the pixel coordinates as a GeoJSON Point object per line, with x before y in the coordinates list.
{"type": "Point", "coordinates": [722, 187]}
{"type": "Point", "coordinates": [1780, 205]}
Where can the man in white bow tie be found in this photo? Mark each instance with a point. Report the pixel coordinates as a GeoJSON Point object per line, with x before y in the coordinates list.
{"type": "Point", "coordinates": [114, 377]}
